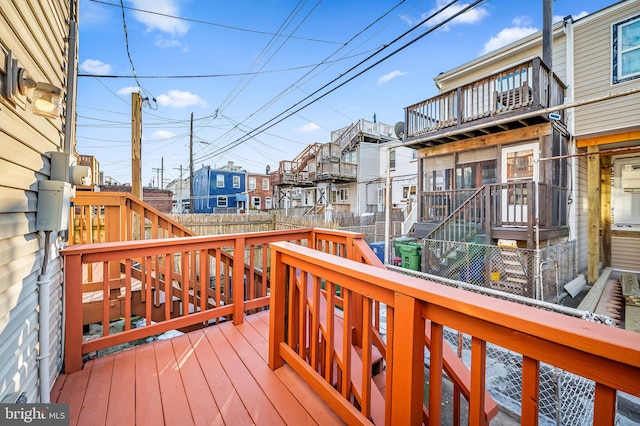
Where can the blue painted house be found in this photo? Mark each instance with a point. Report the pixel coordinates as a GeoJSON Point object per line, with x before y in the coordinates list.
{"type": "Point", "coordinates": [218, 190]}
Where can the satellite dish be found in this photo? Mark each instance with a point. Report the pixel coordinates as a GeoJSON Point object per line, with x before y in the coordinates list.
{"type": "Point", "coordinates": [399, 129]}
{"type": "Point", "coordinates": [268, 169]}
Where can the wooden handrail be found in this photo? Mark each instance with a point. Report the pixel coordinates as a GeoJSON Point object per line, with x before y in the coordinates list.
{"type": "Point", "coordinates": [608, 356]}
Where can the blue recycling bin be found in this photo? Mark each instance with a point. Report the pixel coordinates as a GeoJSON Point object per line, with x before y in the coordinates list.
{"type": "Point", "coordinates": [378, 249]}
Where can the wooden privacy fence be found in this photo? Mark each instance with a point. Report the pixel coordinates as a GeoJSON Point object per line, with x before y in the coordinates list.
{"type": "Point", "coordinates": [322, 305]}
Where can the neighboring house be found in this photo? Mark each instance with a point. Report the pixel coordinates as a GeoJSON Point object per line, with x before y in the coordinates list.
{"type": "Point", "coordinates": [160, 199]}
{"type": "Point", "coordinates": [606, 60]}
{"type": "Point", "coordinates": [219, 190]}
{"type": "Point", "coordinates": [259, 193]}
{"type": "Point", "coordinates": [180, 189]}
{"type": "Point", "coordinates": [485, 174]}
{"type": "Point", "coordinates": [347, 173]}
{"type": "Point", "coordinates": [500, 158]}
{"type": "Point", "coordinates": [402, 172]}
{"type": "Point", "coordinates": [39, 37]}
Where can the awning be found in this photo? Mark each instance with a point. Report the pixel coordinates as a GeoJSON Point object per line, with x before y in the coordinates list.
{"type": "Point", "coordinates": [241, 197]}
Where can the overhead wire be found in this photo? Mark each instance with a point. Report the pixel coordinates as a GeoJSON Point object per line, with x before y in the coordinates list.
{"type": "Point", "coordinates": [286, 113]}
{"type": "Point", "coordinates": [199, 21]}
{"type": "Point", "coordinates": [146, 101]}
{"type": "Point", "coordinates": [325, 61]}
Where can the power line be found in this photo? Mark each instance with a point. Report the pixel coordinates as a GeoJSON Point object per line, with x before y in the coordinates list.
{"type": "Point", "coordinates": [224, 75]}
{"type": "Point", "coordinates": [286, 113]}
{"type": "Point", "coordinates": [230, 27]}
{"type": "Point", "coordinates": [325, 61]}
{"type": "Point", "coordinates": [133, 68]}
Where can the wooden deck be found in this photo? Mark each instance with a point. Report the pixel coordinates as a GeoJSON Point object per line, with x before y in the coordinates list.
{"type": "Point", "coordinates": [217, 375]}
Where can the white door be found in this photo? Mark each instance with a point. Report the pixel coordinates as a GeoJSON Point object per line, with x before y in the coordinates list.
{"type": "Point", "coordinates": [518, 164]}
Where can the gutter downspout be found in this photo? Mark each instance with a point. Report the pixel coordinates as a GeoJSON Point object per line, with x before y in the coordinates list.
{"type": "Point", "coordinates": [43, 324]}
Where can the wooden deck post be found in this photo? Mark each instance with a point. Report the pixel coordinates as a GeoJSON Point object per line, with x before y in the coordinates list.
{"type": "Point", "coordinates": [408, 365]}
{"type": "Point", "coordinates": [73, 314]}
{"type": "Point", "coordinates": [593, 219]}
{"type": "Point", "coordinates": [605, 209]}
{"type": "Point", "coordinates": [277, 309]}
{"type": "Point", "coordinates": [238, 281]}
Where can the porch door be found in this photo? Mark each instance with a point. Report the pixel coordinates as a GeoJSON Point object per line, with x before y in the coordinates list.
{"type": "Point", "coordinates": [518, 165]}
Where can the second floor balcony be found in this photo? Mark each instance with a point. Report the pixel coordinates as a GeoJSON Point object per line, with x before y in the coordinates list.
{"type": "Point", "coordinates": [509, 99]}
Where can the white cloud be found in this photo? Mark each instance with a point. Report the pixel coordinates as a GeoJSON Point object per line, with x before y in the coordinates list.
{"type": "Point", "coordinates": [167, 43]}
{"type": "Point", "coordinates": [128, 90]}
{"type": "Point", "coordinates": [180, 99]}
{"type": "Point", "coordinates": [162, 134]}
{"type": "Point", "coordinates": [161, 23]}
{"type": "Point", "coordinates": [390, 76]}
{"type": "Point", "coordinates": [95, 66]}
{"type": "Point", "coordinates": [472, 16]}
{"type": "Point", "coordinates": [309, 127]}
{"type": "Point", "coordinates": [522, 28]}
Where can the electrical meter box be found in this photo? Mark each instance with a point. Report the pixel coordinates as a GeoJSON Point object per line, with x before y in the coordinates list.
{"type": "Point", "coordinates": [54, 201]}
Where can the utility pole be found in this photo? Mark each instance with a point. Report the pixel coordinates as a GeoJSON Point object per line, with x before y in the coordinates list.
{"type": "Point", "coordinates": [136, 145]}
{"type": "Point", "coordinates": [191, 206]}
{"type": "Point", "coordinates": [547, 33]}
{"type": "Point", "coordinates": [180, 188]}
{"type": "Point", "coordinates": [160, 174]}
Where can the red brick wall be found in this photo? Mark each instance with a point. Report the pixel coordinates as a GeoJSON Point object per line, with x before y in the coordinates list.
{"type": "Point", "coordinates": [160, 199]}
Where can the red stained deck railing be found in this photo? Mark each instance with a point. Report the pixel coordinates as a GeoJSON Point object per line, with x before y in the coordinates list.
{"type": "Point", "coordinates": [202, 277]}
{"type": "Point", "coordinates": [307, 334]}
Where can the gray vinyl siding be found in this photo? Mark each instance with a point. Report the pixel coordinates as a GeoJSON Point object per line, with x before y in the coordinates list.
{"type": "Point", "coordinates": [35, 32]}
{"type": "Point", "coordinates": [582, 224]}
{"type": "Point", "coordinates": [593, 75]}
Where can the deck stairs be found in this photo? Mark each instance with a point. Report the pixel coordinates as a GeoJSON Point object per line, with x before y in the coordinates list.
{"type": "Point", "coordinates": [514, 274]}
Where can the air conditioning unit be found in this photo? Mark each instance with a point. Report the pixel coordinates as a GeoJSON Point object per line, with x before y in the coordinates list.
{"type": "Point", "coordinates": [630, 178]}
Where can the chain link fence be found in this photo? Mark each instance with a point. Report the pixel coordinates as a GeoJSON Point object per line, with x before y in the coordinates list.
{"type": "Point", "coordinates": [564, 398]}
{"type": "Point", "coordinates": [538, 274]}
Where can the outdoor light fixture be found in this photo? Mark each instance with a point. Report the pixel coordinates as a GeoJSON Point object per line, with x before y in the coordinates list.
{"type": "Point", "coordinates": [46, 99]}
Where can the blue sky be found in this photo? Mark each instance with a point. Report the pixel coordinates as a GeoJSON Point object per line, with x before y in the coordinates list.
{"type": "Point", "coordinates": [267, 56]}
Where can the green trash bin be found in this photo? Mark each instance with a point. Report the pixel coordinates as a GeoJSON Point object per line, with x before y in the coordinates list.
{"type": "Point", "coordinates": [401, 240]}
{"type": "Point", "coordinates": [411, 255]}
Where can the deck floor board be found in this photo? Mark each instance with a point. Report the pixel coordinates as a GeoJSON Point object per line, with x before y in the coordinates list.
{"type": "Point", "coordinates": [217, 375]}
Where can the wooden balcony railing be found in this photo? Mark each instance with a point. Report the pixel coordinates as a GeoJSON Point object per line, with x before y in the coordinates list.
{"type": "Point", "coordinates": [524, 87]}
{"type": "Point", "coordinates": [318, 300]}
{"type": "Point", "coordinates": [100, 217]}
{"type": "Point", "coordinates": [465, 213]}
{"type": "Point", "coordinates": [175, 283]}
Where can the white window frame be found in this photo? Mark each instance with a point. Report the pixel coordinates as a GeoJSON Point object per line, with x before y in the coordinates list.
{"type": "Point", "coordinates": [219, 181]}
{"type": "Point", "coordinates": [267, 203]}
{"type": "Point", "coordinates": [221, 198]}
{"type": "Point", "coordinates": [618, 76]}
{"type": "Point", "coordinates": [252, 183]}
{"type": "Point", "coordinates": [236, 181]}
{"type": "Point", "coordinates": [265, 184]}
{"type": "Point", "coordinates": [256, 202]}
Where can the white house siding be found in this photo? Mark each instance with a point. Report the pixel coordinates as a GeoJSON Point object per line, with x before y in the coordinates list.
{"type": "Point", "coordinates": [593, 74]}
{"type": "Point", "coordinates": [36, 34]}
{"type": "Point", "coordinates": [368, 170]}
